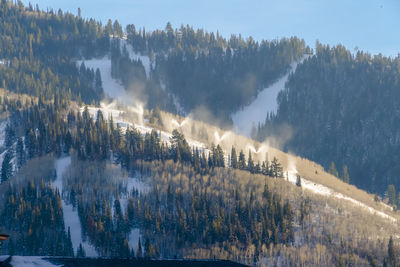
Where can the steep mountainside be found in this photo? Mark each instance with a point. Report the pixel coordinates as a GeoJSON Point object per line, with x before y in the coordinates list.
{"type": "Point", "coordinates": [344, 108]}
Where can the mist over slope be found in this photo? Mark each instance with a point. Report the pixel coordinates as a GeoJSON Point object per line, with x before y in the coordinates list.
{"type": "Point", "coordinates": [116, 148]}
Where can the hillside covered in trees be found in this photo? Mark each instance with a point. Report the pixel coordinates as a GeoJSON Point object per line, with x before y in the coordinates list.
{"type": "Point", "coordinates": [344, 108]}
{"type": "Point", "coordinates": [38, 49]}
{"type": "Point", "coordinates": [158, 188]}
{"type": "Point", "coordinates": [192, 205]}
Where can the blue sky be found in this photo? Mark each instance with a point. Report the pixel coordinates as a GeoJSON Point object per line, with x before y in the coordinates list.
{"type": "Point", "coordinates": [371, 25]}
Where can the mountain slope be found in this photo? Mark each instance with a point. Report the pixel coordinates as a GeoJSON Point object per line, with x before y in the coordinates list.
{"type": "Point", "coordinates": [326, 213]}
{"type": "Point", "coordinates": [344, 108]}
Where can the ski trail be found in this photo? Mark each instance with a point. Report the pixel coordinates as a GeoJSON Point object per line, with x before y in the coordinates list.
{"type": "Point", "coordinates": [265, 102]}
{"type": "Point", "coordinates": [111, 88]}
{"type": "Point", "coordinates": [71, 218]}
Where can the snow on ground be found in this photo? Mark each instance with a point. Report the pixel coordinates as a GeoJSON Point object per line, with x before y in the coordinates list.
{"type": "Point", "coordinates": [265, 102]}
{"type": "Point", "coordinates": [111, 87]}
{"type": "Point", "coordinates": [118, 118]}
{"type": "Point", "coordinates": [132, 183]}
{"type": "Point", "coordinates": [71, 218]}
{"type": "Point", "coordinates": [4, 257]}
{"type": "Point", "coordinates": [4, 62]}
{"type": "Point", "coordinates": [30, 261]}
{"type": "Point", "coordinates": [135, 56]}
{"type": "Point", "coordinates": [133, 238]}
{"type": "Point", "coordinates": [325, 191]}
{"type": "Point", "coordinates": [3, 126]}
{"type": "Point", "coordinates": [3, 148]}
{"type": "Point", "coordinates": [14, 157]}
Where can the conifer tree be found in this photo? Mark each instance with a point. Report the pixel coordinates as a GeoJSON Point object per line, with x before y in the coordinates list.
{"type": "Point", "coordinates": [139, 249]}
{"type": "Point", "coordinates": [10, 136]}
{"type": "Point", "coordinates": [20, 153]}
{"type": "Point", "coordinates": [346, 176]}
{"type": "Point", "coordinates": [332, 169]}
{"type": "Point", "coordinates": [6, 167]}
{"type": "Point", "coordinates": [392, 194]}
{"type": "Point", "coordinates": [242, 161]}
{"type": "Point", "coordinates": [81, 253]}
{"type": "Point", "coordinates": [250, 163]}
{"type": "Point", "coordinates": [234, 160]}
{"type": "Point", "coordinates": [392, 261]}
{"type": "Point", "coordinates": [298, 181]}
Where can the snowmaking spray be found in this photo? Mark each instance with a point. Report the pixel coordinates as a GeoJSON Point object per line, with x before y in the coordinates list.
{"type": "Point", "coordinates": [218, 138]}
{"type": "Point", "coordinates": [138, 109]}
{"type": "Point", "coordinates": [181, 124]}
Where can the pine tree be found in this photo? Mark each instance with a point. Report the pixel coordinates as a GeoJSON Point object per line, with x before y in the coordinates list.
{"type": "Point", "coordinates": [242, 161]}
{"type": "Point", "coordinates": [31, 143]}
{"type": "Point", "coordinates": [392, 261]}
{"type": "Point", "coordinates": [6, 167]}
{"type": "Point", "coordinates": [276, 168]}
{"type": "Point", "coordinates": [81, 253]}
{"type": "Point", "coordinates": [346, 176]}
{"type": "Point", "coordinates": [20, 153]}
{"type": "Point", "coordinates": [298, 181]}
{"type": "Point", "coordinates": [98, 83]}
{"type": "Point", "coordinates": [392, 194]}
{"type": "Point", "coordinates": [250, 163]}
{"type": "Point", "coordinates": [139, 249]}
{"type": "Point", "coordinates": [10, 136]}
{"type": "Point", "coordinates": [332, 169]}
{"type": "Point", "coordinates": [68, 247]}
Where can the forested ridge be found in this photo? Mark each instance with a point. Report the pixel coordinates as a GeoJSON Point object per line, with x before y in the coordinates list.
{"type": "Point", "coordinates": [39, 50]}
{"type": "Point", "coordinates": [341, 106]}
{"type": "Point", "coordinates": [188, 215]}
{"type": "Point", "coordinates": [191, 201]}
{"type": "Point", "coordinates": [223, 74]}
{"type": "Point", "coordinates": [194, 206]}
{"type": "Point", "coordinates": [344, 108]}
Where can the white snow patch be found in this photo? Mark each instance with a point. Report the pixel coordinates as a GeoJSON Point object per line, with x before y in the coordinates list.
{"type": "Point", "coordinates": [14, 157]}
{"type": "Point", "coordinates": [266, 102]}
{"type": "Point", "coordinates": [143, 129]}
{"type": "Point", "coordinates": [4, 62]}
{"type": "Point", "coordinates": [131, 183]}
{"type": "Point", "coordinates": [30, 261]}
{"type": "Point", "coordinates": [70, 214]}
{"type": "Point", "coordinates": [111, 87]}
{"type": "Point", "coordinates": [4, 257]}
{"type": "Point", "coordinates": [133, 238]}
{"type": "Point", "coordinates": [147, 64]}
{"type": "Point", "coordinates": [3, 126]}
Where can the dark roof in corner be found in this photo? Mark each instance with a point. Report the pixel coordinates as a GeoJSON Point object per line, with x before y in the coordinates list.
{"type": "Point", "coordinates": [89, 262]}
{"type": "Point", "coordinates": [3, 237]}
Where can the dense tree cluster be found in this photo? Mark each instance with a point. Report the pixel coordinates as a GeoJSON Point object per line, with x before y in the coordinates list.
{"type": "Point", "coordinates": [193, 205]}
{"type": "Point", "coordinates": [189, 210]}
{"type": "Point", "coordinates": [47, 130]}
{"type": "Point", "coordinates": [343, 107]}
{"type": "Point", "coordinates": [181, 209]}
{"type": "Point", "coordinates": [132, 74]}
{"type": "Point", "coordinates": [33, 216]}
{"type": "Point", "coordinates": [38, 51]}
{"type": "Point", "coordinates": [187, 63]}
